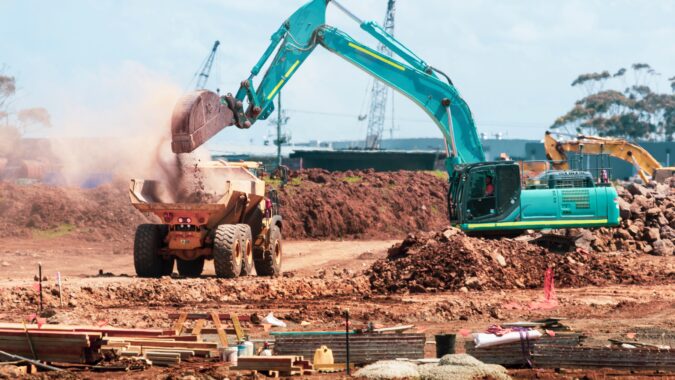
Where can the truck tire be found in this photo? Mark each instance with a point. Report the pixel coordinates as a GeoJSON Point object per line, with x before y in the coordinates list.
{"type": "Point", "coordinates": [191, 268]}
{"type": "Point", "coordinates": [268, 262]}
{"type": "Point", "coordinates": [227, 253]}
{"type": "Point", "coordinates": [246, 249]}
{"type": "Point", "coordinates": [147, 243]}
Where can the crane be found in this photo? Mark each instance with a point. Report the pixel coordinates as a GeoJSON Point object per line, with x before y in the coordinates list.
{"type": "Point", "coordinates": [378, 94]}
{"type": "Point", "coordinates": [205, 71]}
{"type": "Point", "coordinates": [483, 197]}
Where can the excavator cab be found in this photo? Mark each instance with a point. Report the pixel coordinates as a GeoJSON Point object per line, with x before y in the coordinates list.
{"type": "Point", "coordinates": [487, 199]}
{"type": "Point", "coordinates": [484, 192]}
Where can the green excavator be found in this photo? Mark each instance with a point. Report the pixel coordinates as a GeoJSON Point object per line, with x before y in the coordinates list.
{"type": "Point", "coordinates": [484, 197]}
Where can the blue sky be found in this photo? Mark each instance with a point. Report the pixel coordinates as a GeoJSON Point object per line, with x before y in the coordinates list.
{"type": "Point", "coordinates": [107, 68]}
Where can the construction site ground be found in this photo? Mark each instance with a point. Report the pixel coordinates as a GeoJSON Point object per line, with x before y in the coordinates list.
{"type": "Point", "coordinates": [322, 276]}
{"type": "Point", "coordinates": [119, 299]}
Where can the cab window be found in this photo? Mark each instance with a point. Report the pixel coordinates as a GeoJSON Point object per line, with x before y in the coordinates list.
{"type": "Point", "coordinates": [482, 200]}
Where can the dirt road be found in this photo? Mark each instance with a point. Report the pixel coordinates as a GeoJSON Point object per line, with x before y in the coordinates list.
{"type": "Point", "coordinates": [76, 258]}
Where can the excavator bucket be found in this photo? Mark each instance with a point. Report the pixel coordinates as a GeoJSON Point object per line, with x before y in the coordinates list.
{"type": "Point", "coordinates": [197, 117]}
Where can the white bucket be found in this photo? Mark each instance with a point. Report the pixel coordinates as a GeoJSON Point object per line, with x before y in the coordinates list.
{"type": "Point", "coordinates": [229, 355]}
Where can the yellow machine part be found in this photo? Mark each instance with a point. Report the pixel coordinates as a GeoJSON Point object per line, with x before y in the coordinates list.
{"type": "Point", "coordinates": [647, 166]}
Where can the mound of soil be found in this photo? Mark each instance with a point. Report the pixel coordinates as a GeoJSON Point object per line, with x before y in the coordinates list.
{"type": "Point", "coordinates": [450, 260]}
{"type": "Point", "coordinates": [362, 204]}
{"type": "Point", "coordinates": [99, 214]}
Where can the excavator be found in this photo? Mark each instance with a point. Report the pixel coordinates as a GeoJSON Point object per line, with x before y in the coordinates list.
{"type": "Point", "coordinates": [484, 197]}
{"type": "Point", "coordinates": [648, 168]}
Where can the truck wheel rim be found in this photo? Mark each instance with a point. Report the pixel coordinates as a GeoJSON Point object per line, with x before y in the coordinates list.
{"type": "Point", "coordinates": [237, 252]}
{"type": "Point", "coordinates": [249, 252]}
{"type": "Point", "coordinates": [277, 252]}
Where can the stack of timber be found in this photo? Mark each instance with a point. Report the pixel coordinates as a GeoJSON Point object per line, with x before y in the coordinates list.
{"type": "Point", "coordinates": [550, 356]}
{"type": "Point", "coordinates": [52, 346]}
{"type": "Point", "coordinates": [165, 350]}
{"type": "Point", "coordinates": [89, 344]}
{"type": "Point", "coordinates": [517, 354]}
{"type": "Point", "coordinates": [275, 365]}
{"type": "Point", "coordinates": [363, 348]}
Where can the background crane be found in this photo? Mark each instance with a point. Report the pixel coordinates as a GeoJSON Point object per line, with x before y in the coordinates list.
{"type": "Point", "coordinates": [378, 94]}
{"type": "Point", "coordinates": [203, 75]}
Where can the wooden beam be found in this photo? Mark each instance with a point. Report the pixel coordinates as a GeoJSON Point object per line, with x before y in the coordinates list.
{"type": "Point", "coordinates": [180, 324]}
{"type": "Point", "coordinates": [222, 316]}
{"type": "Point", "coordinates": [219, 328]}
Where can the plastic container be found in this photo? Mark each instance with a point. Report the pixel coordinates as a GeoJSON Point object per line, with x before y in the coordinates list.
{"type": "Point", "coordinates": [445, 344]}
{"type": "Point", "coordinates": [229, 355]}
{"type": "Point", "coordinates": [241, 350]}
{"type": "Point", "coordinates": [323, 355]}
{"type": "Point", "coordinates": [249, 348]}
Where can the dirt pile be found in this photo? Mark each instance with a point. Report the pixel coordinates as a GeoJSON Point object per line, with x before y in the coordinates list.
{"type": "Point", "coordinates": [100, 214]}
{"type": "Point", "coordinates": [647, 222]}
{"type": "Point", "coordinates": [450, 260]}
{"type": "Point", "coordinates": [362, 204]}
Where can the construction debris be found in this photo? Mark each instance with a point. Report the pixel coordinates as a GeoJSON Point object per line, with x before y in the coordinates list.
{"type": "Point", "coordinates": [515, 355]}
{"type": "Point", "coordinates": [277, 365]}
{"type": "Point", "coordinates": [450, 260]}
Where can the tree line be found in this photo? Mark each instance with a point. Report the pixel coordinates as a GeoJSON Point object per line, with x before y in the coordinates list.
{"type": "Point", "coordinates": [622, 104]}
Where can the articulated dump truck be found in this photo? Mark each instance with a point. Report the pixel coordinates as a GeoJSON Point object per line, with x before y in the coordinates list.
{"type": "Point", "coordinates": [231, 221]}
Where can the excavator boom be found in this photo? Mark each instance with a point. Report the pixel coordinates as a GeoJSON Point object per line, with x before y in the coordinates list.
{"type": "Point", "coordinates": [199, 116]}
{"type": "Point", "coordinates": [648, 167]}
{"type": "Point", "coordinates": [505, 207]}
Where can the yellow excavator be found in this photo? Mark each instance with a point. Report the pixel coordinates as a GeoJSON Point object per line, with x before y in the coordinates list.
{"type": "Point", "coordinates": [648, 168]}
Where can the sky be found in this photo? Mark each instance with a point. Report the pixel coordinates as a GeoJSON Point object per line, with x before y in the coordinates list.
{"type": "Point", "coordinates": [111, 68]}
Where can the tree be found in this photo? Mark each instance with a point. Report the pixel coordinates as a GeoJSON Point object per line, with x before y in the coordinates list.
{"type": "Point", "coordinates": [634, 113]}
{"type": "Point", "coordinates": [18, 123]}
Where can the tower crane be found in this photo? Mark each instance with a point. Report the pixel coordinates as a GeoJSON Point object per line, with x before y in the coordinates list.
{"type": "Point", "coordinates": [378, 94]}
{"type": "Point", "coordinates": [203, 75]}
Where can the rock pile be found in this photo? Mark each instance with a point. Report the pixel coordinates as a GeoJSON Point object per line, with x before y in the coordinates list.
{"type": "Point", "coordinates": [450, 260]}
{"type": "Point", "coordinates": [647, 222]}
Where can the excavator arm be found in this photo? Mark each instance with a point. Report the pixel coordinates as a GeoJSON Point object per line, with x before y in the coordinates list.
{"type": "Point", "coordinates": [646, 165]}
{"type": "Point", "coordinates": [201, 115]}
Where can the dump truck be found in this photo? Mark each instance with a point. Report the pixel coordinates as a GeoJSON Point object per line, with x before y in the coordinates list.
{"type": "Point", "coordinates": [230, 219]}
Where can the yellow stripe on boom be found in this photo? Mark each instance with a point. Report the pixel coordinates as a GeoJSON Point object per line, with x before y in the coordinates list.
{"type": "Point", "coordinates": [290, 71]}
{"type": "Point", "coordinates": [274, 90]}
{"type": "Point", "coordinates": [376, 56]}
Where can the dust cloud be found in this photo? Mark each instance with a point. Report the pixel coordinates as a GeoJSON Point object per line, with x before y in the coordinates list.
{"type": "Point", "coordinates": [115, 129]}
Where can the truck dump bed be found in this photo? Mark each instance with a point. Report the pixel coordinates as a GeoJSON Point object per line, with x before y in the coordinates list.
{"type": "Point", "coordinates": [227, 192]}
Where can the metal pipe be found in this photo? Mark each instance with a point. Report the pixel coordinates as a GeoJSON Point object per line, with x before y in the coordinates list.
{"type": "Point", "coordinates": [452, 132]}
{"type": "Point", "coordinates": [23, 359]}
{"type": "Point", "coordinates": [347, 12]}
{"type": "Point", "coordinates": [40, 282]}
{"type": "Point", "coordinates": [347, 340]}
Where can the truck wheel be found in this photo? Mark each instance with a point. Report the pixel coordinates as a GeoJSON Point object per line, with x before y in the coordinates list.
{"type": "Point", "coordinates": [268, 263]}
{"type": "Point", "coordinates": [191, 268]}
{"type": "Point", "coordinates": [227, 251]}
{"type": "Point", "coordinates": [147, 243]}
{"type": "Point", "coordinates": [246, 249]}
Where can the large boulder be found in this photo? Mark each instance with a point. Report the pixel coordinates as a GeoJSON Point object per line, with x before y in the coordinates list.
{"type": "Point", "coordinates": [663, 248]}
